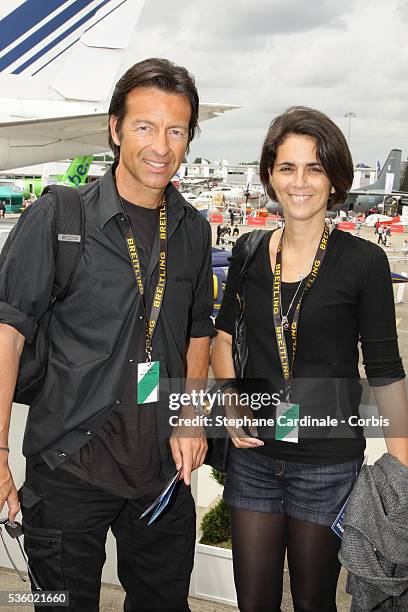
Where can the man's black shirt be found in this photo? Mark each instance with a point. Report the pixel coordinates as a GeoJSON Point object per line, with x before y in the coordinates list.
{"type": "Point", "coordinates": [93, 332]}
{"type": "Point", "coordinates": [123, 458]}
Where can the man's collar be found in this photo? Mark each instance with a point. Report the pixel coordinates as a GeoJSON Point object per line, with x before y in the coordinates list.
{"type": "Point", "coordinates": [111, 206]}
{"type": "Point", "coordinates": [109, 202]}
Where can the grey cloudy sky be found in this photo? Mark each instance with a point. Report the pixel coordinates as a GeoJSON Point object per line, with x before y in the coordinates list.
{"type": "Point", "coordinates": [266, 55]}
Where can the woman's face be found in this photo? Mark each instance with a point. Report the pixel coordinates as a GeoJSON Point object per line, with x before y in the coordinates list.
{"type": "Point", "coordinates": [298, 179]}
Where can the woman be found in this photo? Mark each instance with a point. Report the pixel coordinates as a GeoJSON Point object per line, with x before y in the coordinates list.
{"type": "Point", "coordinates": [314, 293]}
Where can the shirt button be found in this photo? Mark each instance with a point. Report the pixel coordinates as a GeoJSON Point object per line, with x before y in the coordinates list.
{"type": "Point", "coordinates": [117, 402]}
{"type": "Point", "coordinates": [88, 433]}
{"type": "Point", "coordinates": [62, 455]}
{"type": "Point", "coordinates": [141, 317]}
{"type": "Point", "coordinates": [122, 218]}
{"type": "Point", "coordinates": [131, 361]}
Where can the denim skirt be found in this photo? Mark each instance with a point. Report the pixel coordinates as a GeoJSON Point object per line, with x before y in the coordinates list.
{"type": "Point", "coordinates": [307, 492]}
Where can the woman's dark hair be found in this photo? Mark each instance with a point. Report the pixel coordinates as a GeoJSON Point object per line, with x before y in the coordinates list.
{"type": "Point", "coordinates": [159, 73]}
{"type": "Point", "coordinates": [331, 148]}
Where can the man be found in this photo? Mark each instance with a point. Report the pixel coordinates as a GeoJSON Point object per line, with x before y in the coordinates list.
{"type": "Point", "coordinates": [219, 229]}
{"type": "Point", "coordinates": [380, 234]}
{"type": "Point", "coordinates": [97, 449]}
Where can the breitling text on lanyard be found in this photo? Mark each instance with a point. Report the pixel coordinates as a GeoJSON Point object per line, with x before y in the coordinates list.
{"type": "Point", "coordinates": [148, 373]}
{"type": "Point", "coordinates": [287, 368]}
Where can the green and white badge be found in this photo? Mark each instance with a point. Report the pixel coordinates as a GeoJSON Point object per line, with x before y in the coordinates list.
{"type": "Point", "coordinates": [148, 375]}
{"type": "Point", "coordinates": [287, 422]}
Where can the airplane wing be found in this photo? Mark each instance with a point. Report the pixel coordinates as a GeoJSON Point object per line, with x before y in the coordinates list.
{"type": "Point", "coordinates": [64, 137]}
{"type": "Point", "coordinates": [380, 192]}
{"type": "Point", "coordinates": [80, 135]}
{"type": "Point", "coordinates": [209, 111]}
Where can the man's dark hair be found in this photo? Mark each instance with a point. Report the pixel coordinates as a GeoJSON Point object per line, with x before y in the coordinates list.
{"type": "Point", "coordinates": [159, 73]}
{"type": "Point", "coordinates": [331, 148]}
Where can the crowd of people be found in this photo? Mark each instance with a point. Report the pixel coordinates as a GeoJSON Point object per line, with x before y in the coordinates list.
{"type": "Point", "coordinates": [384, 234]}
{"type": "Point", "coordinates": [226, 234]}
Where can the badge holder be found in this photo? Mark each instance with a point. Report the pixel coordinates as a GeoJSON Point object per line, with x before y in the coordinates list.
{"type": "Point", "coordinates": [287, 422]}
{"type": "Point", "coordinates": [148, 376]}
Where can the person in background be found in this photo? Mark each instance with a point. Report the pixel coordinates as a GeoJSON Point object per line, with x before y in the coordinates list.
{"type": "Point", "coordinates": [387, 236]}
{"type": "Point", "coordinates": [310, 297]}
{"type": "Point", "coordinates": [219, 230]}
{"type": "Point", "coordinates": [380, 231]}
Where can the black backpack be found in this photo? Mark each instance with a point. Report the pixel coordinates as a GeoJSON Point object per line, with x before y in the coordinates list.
{"type": "Point", "coordinates": [68, 240]}
{"type": "Point", "coordinates": [239, 339]}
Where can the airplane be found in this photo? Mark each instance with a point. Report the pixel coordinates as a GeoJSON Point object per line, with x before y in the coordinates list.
{"type": "Point", "coordinates": [384, 189]}
{"type": "Point", "coordinates": [59, 62]}
{"type": "Point", "coordinates": [74, 176]}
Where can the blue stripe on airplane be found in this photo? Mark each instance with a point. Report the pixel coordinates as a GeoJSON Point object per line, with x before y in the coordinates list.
{"type": "Point", "coordinates": [61, 37]}
{"type": "Point", "coordinates": [76, 40]}
{"type": "Point", "coordinates": [43, 32]}
{"type": "Point", "coordinates": [55, 56]}
{"type": "Point", "coordinates": [106, 15]}
{"type": "Point", "coordinates": [25, 17]}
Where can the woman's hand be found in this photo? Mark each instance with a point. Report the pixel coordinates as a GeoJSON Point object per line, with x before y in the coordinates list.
{"type": "Point", "coordinates": [239, 417]}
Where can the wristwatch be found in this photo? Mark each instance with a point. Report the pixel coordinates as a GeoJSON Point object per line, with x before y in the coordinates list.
{"type": "Point", "coordinates": [202, 408]}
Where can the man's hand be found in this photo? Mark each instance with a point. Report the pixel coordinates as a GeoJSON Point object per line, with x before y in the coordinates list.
{"type": "Point", "coordinates": [188, 447]}
{"type": "Point", "coordinates": [8, 491]}
{"type": "Point", "coordinates": [235, 412]}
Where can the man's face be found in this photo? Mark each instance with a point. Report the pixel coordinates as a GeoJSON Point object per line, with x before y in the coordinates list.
{"type": "Point", "coordinates": [153, 140]}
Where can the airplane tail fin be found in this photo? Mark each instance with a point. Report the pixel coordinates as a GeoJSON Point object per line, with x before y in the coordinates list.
{"type": "Point", "coordinates": [389, 176]}
{"type": "Point", "coordinates": [75, 47]}
{"type": "Point", "coordinates": [78, 171]}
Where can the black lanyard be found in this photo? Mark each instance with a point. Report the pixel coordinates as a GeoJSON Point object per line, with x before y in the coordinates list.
{"type": "Point", "coordinates": [287, 368]}
{"type": "Point", "coordinates": [151, 321]}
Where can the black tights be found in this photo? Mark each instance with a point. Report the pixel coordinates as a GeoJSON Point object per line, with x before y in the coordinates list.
{"type": "Point", "coordinates": [260, 541]}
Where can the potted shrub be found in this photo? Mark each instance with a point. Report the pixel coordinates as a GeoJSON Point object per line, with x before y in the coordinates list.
{"type": "Point", "coordinates": [212, 577]}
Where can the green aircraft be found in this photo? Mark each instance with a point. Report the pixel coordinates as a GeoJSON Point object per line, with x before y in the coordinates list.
{"type": "Point", "coordinates": [73, 177]}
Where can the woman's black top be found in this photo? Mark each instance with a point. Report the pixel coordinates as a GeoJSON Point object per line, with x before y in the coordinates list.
{"type": "Point", "coordinates": [351, 300]}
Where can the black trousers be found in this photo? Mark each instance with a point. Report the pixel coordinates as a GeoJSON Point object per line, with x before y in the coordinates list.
{"type": "Point", "coordinates": [65, 523]}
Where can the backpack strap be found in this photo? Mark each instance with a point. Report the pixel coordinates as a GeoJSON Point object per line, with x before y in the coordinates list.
{"type": "Point", "coordinates": [69, 237]}
{"type": "Point", "coordinates": [250, 247]}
